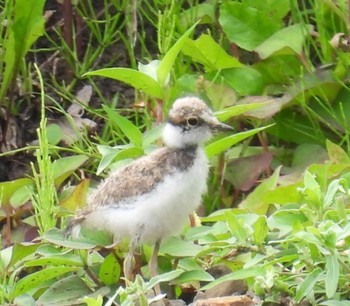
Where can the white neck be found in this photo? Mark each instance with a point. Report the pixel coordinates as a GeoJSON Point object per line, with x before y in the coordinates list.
{"type": "Point", "coordinates": [174, 137]}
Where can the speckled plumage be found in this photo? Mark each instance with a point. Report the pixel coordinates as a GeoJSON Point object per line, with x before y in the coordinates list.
{"type": "Point", "coordinates": [152, 197]}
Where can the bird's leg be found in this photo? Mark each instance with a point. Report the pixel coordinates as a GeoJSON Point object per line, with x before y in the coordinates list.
{"type": "Point", "coordinates": [128, 261]}
{"type": "Point", "coordinates": [153, 265]}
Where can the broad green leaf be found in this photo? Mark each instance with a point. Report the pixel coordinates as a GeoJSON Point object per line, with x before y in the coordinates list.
{"type": "Point", "coordinates": [238, 109]}
{"type": "Point", "coordinates": [284, 194]}
{"type": "Point", "coordinates": [65, 166]}
{"type": "Point", "coordinates": [254, 201]}
{"type": "Point", "coordinates": [275, 9]}
{"type": "Point", "coordinates": [336, 153]}
{"type": "Point", "coordinates": [57, 237]}
{"type": "Point", "coordinates": [21, 196]}
{"type": "Point", "coordinates": [57, 260]}
{"type": "Point", "coordinates": [94, 301]}
{"type": "Point", "coordinates": [246, 26]}
{"type": "Point", "coordinates": [54, 133]}
{"type": "Point", "coordinates": [152, 135]}
{"type": "Point", "coordinates": [34, 280]}
{"type": "Point", "coordinates": [177, 247]}
{"type": "Point", "coordinates": [22, 250]}
{"type": "Point", "coordinates": [286, 40]}
{"type": "Point", "coordinates": [285, 219]}
{"type": "Point", "coordinates": [165, 277]}
{"type": "Point", "coordinates": [308, 284]}
{"type": "Point", "coordinates": [236, 275]}
{"type": "Point", "coordinates": [110, 155]}
{"type": "Point", "coordinates": [110, 270]}
{"type": "Point", "coordinates": [260, 230]}
{"type": "Point", "coordinates": [58, 294]}
{"type": "Point", "coordinates": [168, 61]}
{"type": "Point", "coordinates": [134, 78]}
{"type": "Point", "coordinates": [209, 53]}
{"type": "Point", "coordinates": [332, 275]}
{"type": "Point", "coordinates": [244, 80]}
{"type": "Point", "coordinates": [77, 199]}
{"type": "Point", "coordinates": [7, 189]}
{"type": "Point", "coordinates": [236, 228]}
{"type": "Point", "coordinates": [130, 130]}
{"type": "Point", "coordinates": [194, 275]}
{"type": "Point", "coordinates": [335, 303]}
{"type": "Point", "coordinates": [225, 143]}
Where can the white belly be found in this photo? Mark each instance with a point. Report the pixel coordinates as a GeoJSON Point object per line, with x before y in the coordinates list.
{"type": "Point", "coordinates": [160, 213]}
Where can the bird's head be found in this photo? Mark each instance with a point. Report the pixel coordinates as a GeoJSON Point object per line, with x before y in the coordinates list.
{"type": "Point", "coordinates": [191, 123]}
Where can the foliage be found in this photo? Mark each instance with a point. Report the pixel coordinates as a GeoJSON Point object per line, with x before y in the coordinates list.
{"type": "Point", "coordinates": [277, 210]}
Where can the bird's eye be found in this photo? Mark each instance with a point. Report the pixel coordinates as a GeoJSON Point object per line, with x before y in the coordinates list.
{"type": "Point", "coordinates": [193, 121]}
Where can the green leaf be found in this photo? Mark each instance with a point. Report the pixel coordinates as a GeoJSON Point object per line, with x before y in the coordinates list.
{"type": "Point", "coordinates": [22, 250]}
{"type": "Point", "coordinates": [225, 143]}
{"type": "Point", "coordinates": [21, 196]}
{"type": "Point", "coordinates": [57, 260]}
{"type": "Point", "coordinates": [238, 109]}
{"type": "Point", "coordinates": [57, 237]}
{"type": "Point", "coordinates": [209, 53]}
{"type": "Point", "coordinates": [65, 166]}
{"type": "Point", "coordinates": [260, 230]}
{"type": "Point", "coordinates": [110, 270]}
{"type": "Point", "coordinates": [195, 275]}
{"type": "Point", "coordinates": [168, 61]}
{"type": "Point", "coordinates": [254, 200]}
{"type": "Point", "coordinates": [287, 40]}
{"type": "Point", "coordinates": [165, 277]}
{"type": "Point", "coordinates": [130, 130]}
{"type": "Point", "coordinates": [246, 26]}
{"type": "Point", "coordinates": [67, 291]}
{"type": "Point", "coordinates": [244, 80]}
{"type": "Point", "coordinates": [33, 280]}
{"type": "Point", "coordinates": [236, 228]}
{"type": "Point", "coordinates": [8, 189]}
{"type": "Point", "coordinates": [177, 247]}
{"type": "Point", "coordinates": [152, 135]}
{"type": "Point", "coordinates": [134, 78]}
{"type": "Point", "coordinates": [336, 153]}
{"type": "Point", "coordinates": [332, 275]}
{"type": "Point", "coordinates": [25, 28]}
{"type": "Point", "coordinates": [54, 133]}
{"type": "Point", "coordinates": [308, 284]}
{"type": "Point", "coordinates": [240, 274]}
{"type": "Point", "coordinates": [111, 154]}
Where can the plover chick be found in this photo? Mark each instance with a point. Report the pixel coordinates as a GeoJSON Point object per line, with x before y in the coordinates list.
{"type": "Point", "coordinates": [152, 197]}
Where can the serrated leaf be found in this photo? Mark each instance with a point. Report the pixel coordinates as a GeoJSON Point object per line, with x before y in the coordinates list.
{"type": "Point", "coordinates": [134, 78]}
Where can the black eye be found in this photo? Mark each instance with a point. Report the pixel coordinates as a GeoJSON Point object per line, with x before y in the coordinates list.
{"type": "Point", "coordinates": [193, 121]}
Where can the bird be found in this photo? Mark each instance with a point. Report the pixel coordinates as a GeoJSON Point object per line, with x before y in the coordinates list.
{"type": "Point", "coordinates": [151, 198]}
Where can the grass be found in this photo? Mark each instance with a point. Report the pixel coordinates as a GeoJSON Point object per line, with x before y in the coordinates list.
{"type": "Point", "coordinates": [277, 210]}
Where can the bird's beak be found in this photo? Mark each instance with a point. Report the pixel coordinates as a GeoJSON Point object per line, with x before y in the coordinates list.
{"type": "Point", "coordinates": [216, 125]}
